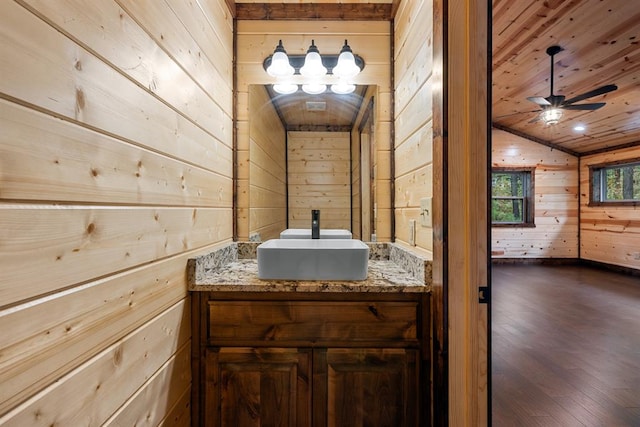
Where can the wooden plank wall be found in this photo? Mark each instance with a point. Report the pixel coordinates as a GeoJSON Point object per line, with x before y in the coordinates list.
{"type": "Point", "coordinates": [371, 40]}
{"type": "Point", "coordinates": [115, 168]}
{"type": "Point", "coordinates": [608, 234]}
{"type": "Point", "coordinates": [267, 168]}
{"type": "Point", "coordinates": [319, 165]}
{"type": "Point", "coordinates": [555, 234]}
{"type": "Point", "coordinates": [413, 114]}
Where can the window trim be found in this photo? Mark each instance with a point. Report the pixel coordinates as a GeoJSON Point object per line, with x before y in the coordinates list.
{"type": "Point", "coordinates": [595, 168]}
{"type": "Point", "coordinates": [528, 197]}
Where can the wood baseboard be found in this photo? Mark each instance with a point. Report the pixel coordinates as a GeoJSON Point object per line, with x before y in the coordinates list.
{"type": "Point", "coordinates": [540, 261]}
{"type": "Point", "coordinates": [611, 267]}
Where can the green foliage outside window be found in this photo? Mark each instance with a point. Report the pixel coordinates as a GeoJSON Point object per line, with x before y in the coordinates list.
{"type": "Point", "coordinates": [510, 197]}
{"type": "Point", "coordinates": [506, 211]}
{"type": "Point", "coordinates": [619, 183]}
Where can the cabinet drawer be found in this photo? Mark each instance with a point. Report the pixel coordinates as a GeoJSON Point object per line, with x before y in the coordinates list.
{"type": "Point", "coordinates": [311, 322]}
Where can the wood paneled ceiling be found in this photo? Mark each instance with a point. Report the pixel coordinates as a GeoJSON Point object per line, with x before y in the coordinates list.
{"type": "Point", "coordinates": [601, 42]}
{"type": "Point", "coordinates": [601, 45]}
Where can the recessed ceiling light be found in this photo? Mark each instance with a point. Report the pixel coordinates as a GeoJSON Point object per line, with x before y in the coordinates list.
{"type": "Point", "coordinates": [579, 128]}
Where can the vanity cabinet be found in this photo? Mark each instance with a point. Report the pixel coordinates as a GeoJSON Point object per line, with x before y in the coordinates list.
{"type": "Point", "coordinates": [315, 359]}
{"type": "Point", "coordinates": [257, 387]}
{"type": "Point", "coordinates": [366, 387]}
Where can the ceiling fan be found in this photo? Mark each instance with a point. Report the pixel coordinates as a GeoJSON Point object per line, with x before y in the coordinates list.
{"type": "Point", "coordinates": [553, 105]}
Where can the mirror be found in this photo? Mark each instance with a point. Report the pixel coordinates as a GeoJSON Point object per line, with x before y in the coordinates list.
{"type": "Point", "coordinates": [368, 166]}
{"type": "Point", "coordinates": [311, 152]}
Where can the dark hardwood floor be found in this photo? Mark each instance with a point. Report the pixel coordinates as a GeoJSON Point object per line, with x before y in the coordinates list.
{"type": "Point", "coordinates": [566, 346]}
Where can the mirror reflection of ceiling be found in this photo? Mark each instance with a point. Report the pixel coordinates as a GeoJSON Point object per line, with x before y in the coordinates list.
{"type": "Point", "coordinates": [325, 112]}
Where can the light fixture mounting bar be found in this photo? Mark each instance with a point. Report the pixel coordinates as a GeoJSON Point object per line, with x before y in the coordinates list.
{"type": "Point", "coordinates": [329, 61]}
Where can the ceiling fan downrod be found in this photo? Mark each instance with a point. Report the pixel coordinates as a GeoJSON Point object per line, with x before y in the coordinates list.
{"type": "Point", "coordinates": [552, 51]}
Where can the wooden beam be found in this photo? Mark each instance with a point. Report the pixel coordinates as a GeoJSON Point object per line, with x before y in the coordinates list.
{"type": "Point", "coordinates": [614, 148]}
{"type": "Point", "coordinates": [394, 8]}
{"type": "Point", "coordinates": [231, 4]}
{"type": "Point", "coordinates": [535, 139]}
{"type": "Point", "coordinates": [314, 11]}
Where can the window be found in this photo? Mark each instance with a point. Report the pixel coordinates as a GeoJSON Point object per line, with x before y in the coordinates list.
{"type": "Point", "coordinates": [512, 197]}
{"type": "Point", "coordinates": [616, 183]}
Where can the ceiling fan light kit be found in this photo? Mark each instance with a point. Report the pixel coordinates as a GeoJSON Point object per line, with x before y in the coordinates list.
{"type": "Point", "coordinates": [551, 116]}
{"type": "Point", "coordinates": [553, 105]}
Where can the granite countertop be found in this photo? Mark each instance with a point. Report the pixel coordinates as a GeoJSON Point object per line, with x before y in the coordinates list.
{"type": "Point", "coordinates": [234, 268]}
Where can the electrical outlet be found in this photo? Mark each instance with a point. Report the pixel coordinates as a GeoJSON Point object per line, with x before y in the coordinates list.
{"type": "Point", "coordinates": [426, 212]}
{"type": "Point", "coordinates": [636, 256]}
{"type": "Point", "coordinates": [412, 232]}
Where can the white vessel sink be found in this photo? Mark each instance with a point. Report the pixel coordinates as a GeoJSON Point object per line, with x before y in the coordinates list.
{"type": "Point", "coordinates": [313, 259]}
{"type": "Point", "coordinates": [305, 233]}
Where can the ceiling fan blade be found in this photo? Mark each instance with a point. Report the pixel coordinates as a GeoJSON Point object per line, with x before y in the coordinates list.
{"type": "Point", "coordinates": [555, 100]}
{"type": "Point", "coordinates": [599, 91]}
{"type": "Point", "coordinates": [515, 113]}
{"type": "Point", "coordinates": [589, 107]}
{"type": "Point", "coordinates": [539, 100]}
{"type": "Point", "coordinates": [535, 119]}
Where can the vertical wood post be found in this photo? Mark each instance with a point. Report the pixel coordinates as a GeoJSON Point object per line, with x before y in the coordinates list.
{"type": "Point", "coordinates": [461, 144]}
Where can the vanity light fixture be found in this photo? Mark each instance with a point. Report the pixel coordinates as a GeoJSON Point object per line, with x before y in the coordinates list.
{"type": "Point", "coordinates": [285, 88]}
{"type": "Point", "coordinates": [343, 88]}
{"type": "Point", "coordinates": [314, 69]}
{"type": "Point", "coordinates": [551, 116]}
{"type": "Point", "coordinates": [313, 63]}
{"type": "Point", "coordinates": [280, 66]}
{"type": "Point", "coordinates": [313, 88]}
{"type": "Point", "coordinates": [346, 67]}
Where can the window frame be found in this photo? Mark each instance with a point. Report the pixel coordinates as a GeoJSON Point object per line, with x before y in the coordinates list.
{"type": "Point", "coordinates": [599, 169]}
{"type": "Point", "coordinates": [528, 197]}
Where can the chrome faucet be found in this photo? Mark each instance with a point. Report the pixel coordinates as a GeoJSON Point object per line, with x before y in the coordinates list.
{"type": "Point", "coordinates": [315, 223]}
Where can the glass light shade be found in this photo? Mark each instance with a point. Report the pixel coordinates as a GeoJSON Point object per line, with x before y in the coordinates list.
{"type": "Point", "coordinates": [314, 88]}
{"type": "Point", "coordinates": [346, 67]}
{"type": "Point", "coordinates": [280, 66]}
{"type": "Point", "coordinates": [342, 88]}
{"type": "Point", "coordinates": [313, 63]}
{"type": "Point", "coordinates": [551, 116]}
{"type": "Point", "coordinates": [285, 88]}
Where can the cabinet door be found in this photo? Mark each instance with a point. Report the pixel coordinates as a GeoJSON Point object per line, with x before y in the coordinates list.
{"type": "Point", "coordinates": [365, 387]}
{"type": "Point", "coordinates": [258, 387]}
